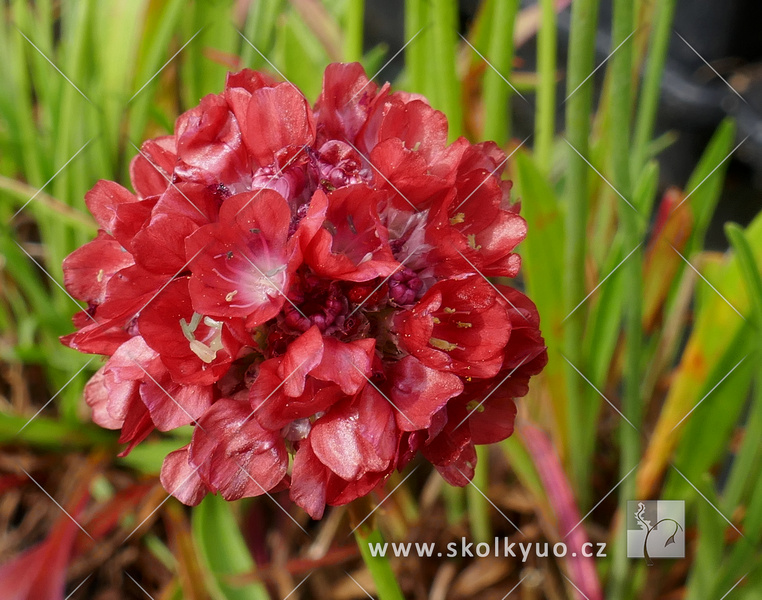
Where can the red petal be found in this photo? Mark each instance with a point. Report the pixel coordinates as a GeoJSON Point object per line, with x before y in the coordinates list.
{"type": "Point", "coordinates": [130, 218]}
{"type": "Point", "coordinates": [309, 481]}
{"type": "Point", "coordinates": [356, 248]}
{"type": "Point", "coordinates": [128, 292]}
{"type": "Point", "coordinates": [276, 118]}
{"type": "Point", "coordinates": [241, 267]}
{"type": "Point", "coordinates": [209, 146]}
{"type": "Point", "coordinates": [240, 86]}
{"type": "Point", "coordinates": [452, 452]}
{"type": "Point", "coordinates": [417, 125]}
{"type": "Point", "coordinates": [457, 326]}
{"type": "Point", "coordinates": [172, 405]}
{"type": "Point", "coordinates": [342, 108]}
{"type": "Point", "coordinates": [96, 338]}
{"type": "Point", "coordinates": [274, 409]}
{"type": "Point", "coordinates": [137, 426]}
{"type": "Point", "coordinates": [190, 362]}
{"type": "Point", "coordinates": [88, 269]}
{"type": "Point", "coordinates": [461, 470]}
{"type": "Point", "coordinates": [303, 355]}
{"type": "Point", "coordinates": [181, 480]}
{"type": "Point", "coordinates": [346, 364]}
{"type": "Point", "coordinates": [103, 201]}
{"type": "Point", "coordinates": [357, 436]}
{"type": "Point", "coordinates": [234, 454]}
{"type": "Point", "coordinates": [312, 221]}
{"type": "Point", "coordinates": [127, 366]}
{"type": "Point", "coordinates": [419, 392]}
{"type": "Point", "coordinates": [342, 492]}
{"type": "Point", "coordinates": [152, 168]}
{"type": "Point", "coordinates": [96, 397]}
{"type": "Point", "coordinates": [248, 80]}
{"type": "Point", "coordinates": [493, 422]}
{"type": "Point", "coordinates": [159, 246]}
{"type": "Point", "coordinates": [526, 354]}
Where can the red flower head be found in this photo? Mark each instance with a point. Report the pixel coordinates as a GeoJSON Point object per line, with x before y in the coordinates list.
{"type": "Point", "coordinates": [308, 288]}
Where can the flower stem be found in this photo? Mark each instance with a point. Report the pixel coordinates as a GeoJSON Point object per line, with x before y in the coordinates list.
{"type": "Point", "coordinates": [545, 117]}
{"type": "Point", "coordinates": [578, 108]}
{"type": "Point", "coordinates": [380, 569]}
{"type": "Point", "coordinates": [354, 30]}
{"type": "Point", "coordinates": [415, 52]}
{"type": "Point", "coordinates": [620, 109]}
{"type": "Point", "coordinates": [454, 503]}
{"type": "Point", "coordinates": [444, 22]}
{"type": "Point", "coordinates": [651, 89]}
{"type": "Point", "coordinates": [497, 119]}
{"type": "Point", "coordinates": [478, 516]}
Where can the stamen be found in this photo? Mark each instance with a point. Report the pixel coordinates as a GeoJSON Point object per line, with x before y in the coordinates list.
{"type": "Point", "coordinates": [442, 344]}
{"type": "Point", "coordinates": [463, 325]}
{"type": "Point", "coordinates": [206, 352]}
{"type": "Point", "coordinates": [458, 218]}
{"type": "Point", "coordinates": [216, 342]}
{"type": "Point", "coordinates": [188, 330]}
{"type": "Point", "coordinates": [275, 271]}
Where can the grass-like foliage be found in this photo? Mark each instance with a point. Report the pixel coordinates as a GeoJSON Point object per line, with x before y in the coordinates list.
{"type": "Point", "coordinates": [652, 390]}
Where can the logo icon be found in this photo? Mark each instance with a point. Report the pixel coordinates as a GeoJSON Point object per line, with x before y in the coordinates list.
{"type": "Point", "coordinates": [655, 529]}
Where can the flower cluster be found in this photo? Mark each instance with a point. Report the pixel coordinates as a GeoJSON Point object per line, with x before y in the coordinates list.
{"type": "Point", "coordinates": [307, 286]}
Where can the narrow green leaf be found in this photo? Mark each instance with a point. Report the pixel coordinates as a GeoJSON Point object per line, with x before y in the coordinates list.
{"type": "Point", "coordinates": [709, 428]}
{"type": "Point", "coordinates": [747, 463]}
{"type": "Point", "coordinates": [584, 16]}
{"type": "Point", "coordinates": [445, 27]}
{"type": "Point", "coordinates": [387, 587]}
{"type": "Point", "coordinates": [709, 549]}
{"type": "Point", "coordinates": [542, 255]}
{"type": "Point", "coordinates": [153, 55]}
{"type": "Point", "coordinates": [706, 181]}
{"type": "Point", "coordinates": [652, 81]}
{"type": "Point", "coordinates": [749, 269]}
{"type": "Point", "coordinates": [542, 250]}
{"type": "Point", "coordinates": [545, 117]}
{"type": "Point", "coordinates": [478, 511]}
{"type": "Point", "coordinates": [714, 340]}
{"type": "Point", "coordinates": [301, 56]}
{"type": "Point", "coordinates": [223, 548]}
{"type": "Point", "coordinates": [497, 92]}
{"type": "Point", "coordinates": [260, 31]}
{"type": "Point", "coordinates": [416, 61]}
{"type": "Point", "coordinates": [353, 35]}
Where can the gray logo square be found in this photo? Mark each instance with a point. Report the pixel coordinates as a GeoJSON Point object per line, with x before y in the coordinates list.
{"type": "Point", "coordinates": [655, 529]}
